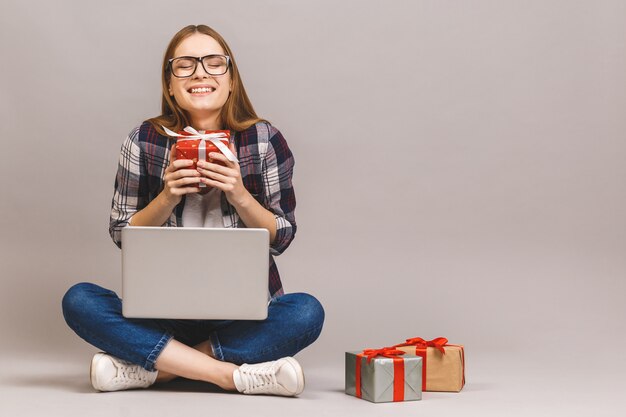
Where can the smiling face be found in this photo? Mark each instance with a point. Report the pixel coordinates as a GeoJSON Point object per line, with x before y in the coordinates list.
{"type": "Point", "coordinates": [202, 95]}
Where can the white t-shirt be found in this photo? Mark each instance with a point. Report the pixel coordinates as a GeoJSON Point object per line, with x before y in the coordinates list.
{"type": "Point", "coordinates": [203, 210]}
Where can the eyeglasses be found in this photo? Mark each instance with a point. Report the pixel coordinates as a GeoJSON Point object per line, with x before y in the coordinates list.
{"type": "Point", "coordinates": [186, 66]}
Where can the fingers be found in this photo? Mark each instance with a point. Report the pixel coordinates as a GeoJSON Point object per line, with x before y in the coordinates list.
{"type": "Point", "coordinates": [224, 182]}
{"type": "Point", "coordinates": [173, 153]}
{"type": "Point", "coordinates": [182, 179]}
{"type": "Point", "coordinates": [219, 185]}
{"type": "Point", "coordinates": [217, 176]}
{"type": "Point", "coordinates": [173, 166]}
{"type": "Point", "coordinates": [224, 170]}
{"type": "Point", "coordinates": [184, 190]}
{"type": "Point", "coordinates": [178, 164]}
{"type": "Point", "coordinates": [181, 173]}
{"type": "Point", "coordinates": [182, 182]}
{"type": "Point", "coordinates": [179, 180]}
{"type": "Point", "coordinates": [222, 158]}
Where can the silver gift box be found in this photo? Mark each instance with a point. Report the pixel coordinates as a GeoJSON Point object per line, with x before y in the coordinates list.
{"type": "Point", "coordinates": [377, 378]}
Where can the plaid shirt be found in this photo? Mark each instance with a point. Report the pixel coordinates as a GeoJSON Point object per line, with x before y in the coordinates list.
{"type": "Point", "coordinates": [266, 169]}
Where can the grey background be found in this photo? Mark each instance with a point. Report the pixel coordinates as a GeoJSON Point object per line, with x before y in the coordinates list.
{"type": "Point", "coordinates": [459, 166]}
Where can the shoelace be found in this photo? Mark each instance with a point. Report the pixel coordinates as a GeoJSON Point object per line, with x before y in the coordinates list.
{"type": "Point", "coordinates": [259, 378]}
{"type": "Point", "coordinates": [127, 372]}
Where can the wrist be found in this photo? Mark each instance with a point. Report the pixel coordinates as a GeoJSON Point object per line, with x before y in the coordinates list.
{"type": "Point", "coordinates": [244, 201]}
{"type": "Point", "coordinates": [169, 201]}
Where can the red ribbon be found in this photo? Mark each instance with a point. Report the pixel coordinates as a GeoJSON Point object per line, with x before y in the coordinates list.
{"type": "Point", "coordinates": [420, 350]}
{"type": "Point", "coordinates": [438, 343]}
{"type": "Point", "coordinates": [398, 369]}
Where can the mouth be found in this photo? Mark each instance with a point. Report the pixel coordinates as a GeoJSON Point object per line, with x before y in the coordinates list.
{"type": "Point", "coordinates": [201, 90]}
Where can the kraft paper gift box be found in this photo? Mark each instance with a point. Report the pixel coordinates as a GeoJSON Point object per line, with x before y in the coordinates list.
{"type": "Point", "coordinates": [384, 375]}
{"type": "Point", "coordinates": [443, 366]}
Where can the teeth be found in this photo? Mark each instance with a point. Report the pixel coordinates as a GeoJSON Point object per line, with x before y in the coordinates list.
{"type": "Point", "coordinates": [202, 90]}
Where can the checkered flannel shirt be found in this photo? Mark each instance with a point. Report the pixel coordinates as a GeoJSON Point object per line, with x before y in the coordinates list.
{"type": "Point", "coordinates": [266, 168]}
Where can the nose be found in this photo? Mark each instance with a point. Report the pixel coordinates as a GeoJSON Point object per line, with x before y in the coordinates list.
{"type": "Point", "coordinates": [200, 72]}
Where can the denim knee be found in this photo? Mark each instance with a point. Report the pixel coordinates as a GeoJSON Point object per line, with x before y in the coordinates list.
{"type": "Point", "coordinates": [308, 314]}
{"type": "Point", "coordinates": [76, 301]}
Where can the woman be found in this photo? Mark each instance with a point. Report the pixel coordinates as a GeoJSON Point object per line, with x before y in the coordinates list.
{"type": "Point", "coordinates": [201, 88]}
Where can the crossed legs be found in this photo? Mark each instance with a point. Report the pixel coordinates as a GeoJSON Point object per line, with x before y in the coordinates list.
{"type": "Point", "coordinates": [94, 313]}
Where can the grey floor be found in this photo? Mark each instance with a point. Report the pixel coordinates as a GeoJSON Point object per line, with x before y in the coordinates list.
{"type": "Point", "coordinates": [499, 383]}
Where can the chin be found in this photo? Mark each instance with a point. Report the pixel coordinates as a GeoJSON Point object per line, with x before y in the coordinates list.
{"type": "Point", "coordinates": [204, 107]}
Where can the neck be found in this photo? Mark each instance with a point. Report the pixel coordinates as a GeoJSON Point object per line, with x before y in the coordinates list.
{"type": "Point", "coordinates": [207, 122]}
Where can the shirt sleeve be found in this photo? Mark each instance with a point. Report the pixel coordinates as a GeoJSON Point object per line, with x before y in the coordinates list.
{"type": "Point", "coordinates": [277, 183]}
{"type": "Point", "coordinates": [130, 192]}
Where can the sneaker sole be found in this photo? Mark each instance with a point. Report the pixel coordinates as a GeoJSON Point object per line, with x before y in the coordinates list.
{"type": "Point", "coordinates": [297, 366]}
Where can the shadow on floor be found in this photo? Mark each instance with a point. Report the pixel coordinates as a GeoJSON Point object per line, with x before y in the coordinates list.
{"type": "Point", "coordinates": [188, 385]}
{"type": "Point", "coordinates": [79, 383]}
{"type": "Point", "coordinates": [74, 383]}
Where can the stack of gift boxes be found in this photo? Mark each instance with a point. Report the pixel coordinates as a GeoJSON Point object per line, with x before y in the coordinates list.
{"type": "Point", "coordinates": [401, 372]}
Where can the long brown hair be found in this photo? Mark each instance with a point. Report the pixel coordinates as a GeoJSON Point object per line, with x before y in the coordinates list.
{"type": "Point", "coordinates": [237, 114]}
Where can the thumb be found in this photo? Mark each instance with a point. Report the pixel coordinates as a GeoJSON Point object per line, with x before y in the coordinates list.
{"type": "Point", "coordinates": [172, 153]}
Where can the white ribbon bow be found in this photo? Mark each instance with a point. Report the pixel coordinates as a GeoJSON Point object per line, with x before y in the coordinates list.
{"type": "Point", "coordinates": [214, 138]}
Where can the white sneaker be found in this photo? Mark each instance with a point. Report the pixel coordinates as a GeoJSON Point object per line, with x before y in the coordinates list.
{"type": "Point", "coordinates": [281, 377]}
{"type": "Point", "coordinates": [109, 373]}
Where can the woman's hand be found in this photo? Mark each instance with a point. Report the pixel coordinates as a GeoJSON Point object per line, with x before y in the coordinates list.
{"type": "Point", "coordinates": [179, 179]}
{"type": "Point", "coordinates": [227, 178]}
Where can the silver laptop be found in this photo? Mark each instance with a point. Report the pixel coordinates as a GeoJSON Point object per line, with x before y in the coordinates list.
{"type": "Point", "coordinates": [195, 273]}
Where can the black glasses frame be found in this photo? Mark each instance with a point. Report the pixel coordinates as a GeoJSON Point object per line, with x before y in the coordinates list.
{"type": "Point", "coordinates": [199, 60]}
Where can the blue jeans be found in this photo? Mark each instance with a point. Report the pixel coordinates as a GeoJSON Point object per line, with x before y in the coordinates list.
{"type": "Point", "coordinates": [294, 321]}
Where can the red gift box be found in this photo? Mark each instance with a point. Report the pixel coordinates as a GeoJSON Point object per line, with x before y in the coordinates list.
{"type": "Point", "coordinates": [199, 149]}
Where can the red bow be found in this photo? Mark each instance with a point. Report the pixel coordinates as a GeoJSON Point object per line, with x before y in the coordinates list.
{"type": "Point", "coordinates": [387, 352]}
{"type": "Point", "coordinates": [438, 343]}
{"type": "Point", "coordinates": [398, 369]}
